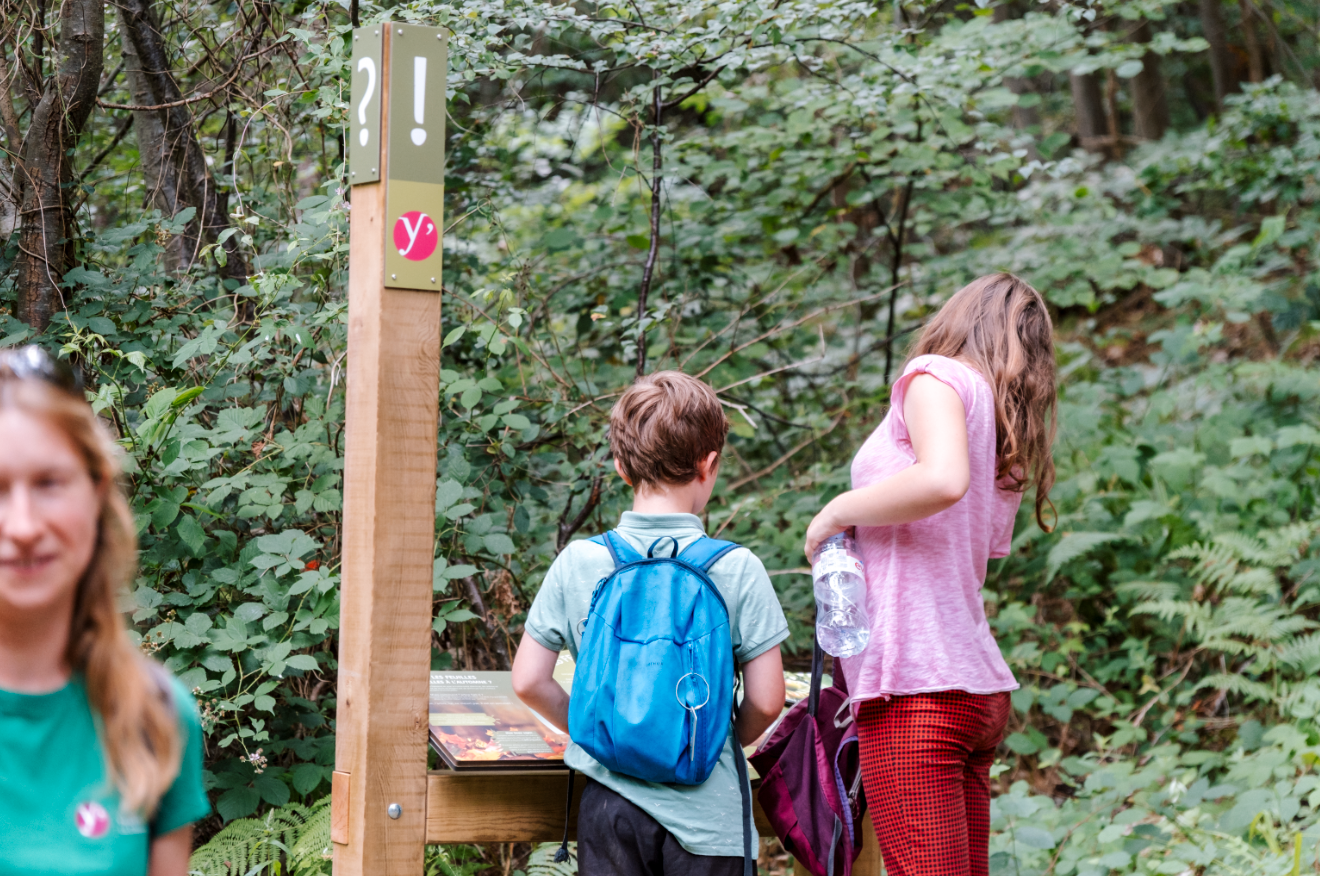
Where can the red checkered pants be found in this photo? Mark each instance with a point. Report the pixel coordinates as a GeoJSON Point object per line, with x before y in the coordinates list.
{"type": "Point", "coordinates": [926, 768]}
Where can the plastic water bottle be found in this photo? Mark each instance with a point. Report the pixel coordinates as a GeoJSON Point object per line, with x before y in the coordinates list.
{"type": "Point", "coordinates": [842, 625]}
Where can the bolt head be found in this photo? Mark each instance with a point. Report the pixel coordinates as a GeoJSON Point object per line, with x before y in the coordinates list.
{"type": "Point", "coordinates": [394, 276]}
{"type": "Point", "coordinates": [394, 810]}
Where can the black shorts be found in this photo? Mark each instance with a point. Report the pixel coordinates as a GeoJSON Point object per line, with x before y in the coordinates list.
{"type": "Point", "coordinates": [617, 838]}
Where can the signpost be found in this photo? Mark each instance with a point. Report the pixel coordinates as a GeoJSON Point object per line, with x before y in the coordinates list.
{"type": "Point", "coordinates": [385, 806]}
{"type": "Point", "coordinates": [393, 377]}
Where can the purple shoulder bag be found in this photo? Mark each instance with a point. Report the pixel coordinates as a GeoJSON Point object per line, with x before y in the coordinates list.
{"type": "Point", "coordinates": [811, 778]}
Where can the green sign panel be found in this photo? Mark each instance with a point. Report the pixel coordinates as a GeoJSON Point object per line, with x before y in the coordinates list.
{"type": "Point", "coordinates": [364, 106]}
{"type": "Point", "coordinates": [415, 166]}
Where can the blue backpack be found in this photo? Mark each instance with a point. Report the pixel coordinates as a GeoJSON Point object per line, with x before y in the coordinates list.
{"type": "Point", "coordinates": [653, 692]}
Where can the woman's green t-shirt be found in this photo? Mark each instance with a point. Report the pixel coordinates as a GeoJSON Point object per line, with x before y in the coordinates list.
{"type": "Point", "coordinates": [59, 812]}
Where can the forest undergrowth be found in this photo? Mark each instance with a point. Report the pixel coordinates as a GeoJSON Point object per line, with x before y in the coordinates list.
{"type": "Point", "coordinates": [823, 173]}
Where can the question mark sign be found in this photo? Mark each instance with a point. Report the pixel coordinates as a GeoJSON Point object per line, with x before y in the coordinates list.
{"type": "Point", "coordinates": [370, 66]}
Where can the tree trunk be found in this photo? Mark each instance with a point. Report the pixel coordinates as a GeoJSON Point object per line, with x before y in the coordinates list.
{"type": "Point", "coordinates": [161, 156]}
{"type": "Point", "coordinates": [183, 178]}
{"type": "Point", "coordinates": [1255, 59]}
{"type": "Point", "coordinates": [1150, 109]}
{"type": "Point", "coordinates": [1221, 62]}
{"type": "Point", "coordinates": [1089, 110]}
{"type": "Point", "coordinates": [61, 110]}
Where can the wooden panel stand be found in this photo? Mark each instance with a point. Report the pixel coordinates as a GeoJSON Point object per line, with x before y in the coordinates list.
{"type": "Point", "coordinates": [393, 378]}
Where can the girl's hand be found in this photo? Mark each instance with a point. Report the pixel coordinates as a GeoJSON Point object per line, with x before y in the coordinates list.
{"type": "Point", "coordinates": [822, 526]}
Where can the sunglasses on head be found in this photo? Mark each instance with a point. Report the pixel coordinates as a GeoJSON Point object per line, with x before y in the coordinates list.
{"type": "Point", "coordinates": [33, 363]}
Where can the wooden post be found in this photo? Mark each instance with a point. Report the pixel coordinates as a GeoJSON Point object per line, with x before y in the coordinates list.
{"type": "Point", "coordinates": [393, 373]}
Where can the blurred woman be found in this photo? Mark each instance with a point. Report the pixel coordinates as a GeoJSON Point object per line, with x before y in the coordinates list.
{"type": "Point", "coordinates": [100, 748]}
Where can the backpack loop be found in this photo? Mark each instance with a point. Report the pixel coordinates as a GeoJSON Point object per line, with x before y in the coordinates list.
{"type": "Point", "coordinates": [650, 554]}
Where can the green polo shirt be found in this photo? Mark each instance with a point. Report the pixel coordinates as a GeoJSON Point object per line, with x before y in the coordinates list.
{"type": "Point", "coordinates": [59, 812]}
{"type": "Point", "coordinates": [703, 818]}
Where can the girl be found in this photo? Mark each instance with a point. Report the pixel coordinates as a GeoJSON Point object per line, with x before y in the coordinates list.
{"type": "Point", "coordinates": [100, 749]}
{"type": "Point", "coordinates": [935, 490]}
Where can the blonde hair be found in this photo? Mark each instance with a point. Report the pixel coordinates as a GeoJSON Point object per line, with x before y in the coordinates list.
{"type": "Point", "coordinates": [664, 425]}
{"type": "Point", "coordinates": [1001, 326]}
{"type": "Point", "coordinates": [140, 728]}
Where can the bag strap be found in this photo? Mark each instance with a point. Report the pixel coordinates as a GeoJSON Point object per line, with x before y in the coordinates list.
{"type": "Point", "coordinates": [705, 552]}
{"type": "Point", "coordinates": [745, 788]}
{"type": "Point", "coordinates": [620, 551]}
{"type": "Point", "coordinates": [817, 669]}
{"type": "Point", "coordinates": [561, 853]}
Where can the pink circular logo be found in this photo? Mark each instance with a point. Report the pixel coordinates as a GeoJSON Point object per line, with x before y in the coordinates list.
{"type": "Point", "coordinates": [416, 236]}
{"type": "Point", "coordinates": [92, 819]}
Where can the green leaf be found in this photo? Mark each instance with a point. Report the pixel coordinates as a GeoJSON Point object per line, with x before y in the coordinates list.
{"type": "Point", "coordinates": [459, 510]}
{"type": "Point", "coordinates": [454, 335]}
{"type": "Point", "coordinates": [237, 803]}
{"type": "Point", "coordinates": [461, 571]}
{"type": "Point", "coordinates": [1021, 744]}
{"type": "Point", "coordinates": [499, 543]}
{"type": "Point", "coordinates": [192, 534]}
{"type": "Point", "coordinates": [186, 396]}
{"type": "Point", "coordinates": [272, 790]}
{"type": "Point", "coordinates": [1128, 69]}
{"type": "Point", "coordinates": [306, 777]}
{"type": "Point", "coordinates": [305, 662]}
{"type": "Point", "coordinates": [1034, 837]}
{"type": "Point", "coordinates": [447, 493]}
{"type": "Point", "coordinates": [249, 611]}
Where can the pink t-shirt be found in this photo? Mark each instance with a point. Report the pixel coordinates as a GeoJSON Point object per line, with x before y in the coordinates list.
{"type": "Point", "coordinates": [924, 579]}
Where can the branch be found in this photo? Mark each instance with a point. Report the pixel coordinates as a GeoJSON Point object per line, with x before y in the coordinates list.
{"type": "Point", "coordinates": [648, 270]}
{"type": "Point", "coordinates": [786, 457]}
{"type": "Point", "coordinates": [238, 68]}
{"type": "Point", "coordinates": [782, 328]}
{"type": "Point", "coordinates": [568, 530]}
{"type": "Point", "coordinates": [700, 85]}
{"type": "Point", "coordinates": [492, 629]}
{"type": "Point", "coordinates": [109, 147]}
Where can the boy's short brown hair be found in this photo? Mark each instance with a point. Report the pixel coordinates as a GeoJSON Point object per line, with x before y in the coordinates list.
{"type": "Point", "coordinates": [664, 425]}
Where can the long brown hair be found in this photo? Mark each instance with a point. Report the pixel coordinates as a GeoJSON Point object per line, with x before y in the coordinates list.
{"type": "Point", "coordinates": [1000, 326]}
{"type": "Point", "coordinates": [139, 724]}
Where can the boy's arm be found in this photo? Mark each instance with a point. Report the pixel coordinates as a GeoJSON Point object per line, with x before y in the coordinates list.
{"type": "Point", "coordinates": [763, 695]}
{"type": "Point", "coordinates": [534, 682]}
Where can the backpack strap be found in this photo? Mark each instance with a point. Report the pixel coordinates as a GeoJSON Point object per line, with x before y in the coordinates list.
{"type": "Point", "coordinates": [620, 550]}
{"type": "Point", "coordinates": [705, 552]}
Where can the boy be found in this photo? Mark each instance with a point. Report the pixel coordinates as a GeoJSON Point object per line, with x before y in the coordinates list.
{"type": "Point", "coordinates": [666, 434]}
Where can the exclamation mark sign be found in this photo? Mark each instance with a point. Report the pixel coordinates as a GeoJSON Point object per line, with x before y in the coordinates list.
{"type": "Point", "coordinates": [419, 100]}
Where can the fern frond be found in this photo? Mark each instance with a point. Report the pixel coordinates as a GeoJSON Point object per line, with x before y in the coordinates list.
{"type": "Point", "coordinates": [250, 843]}
{"type": "Point", "coordinates": [542, 861]}
{"type": "Point", "coordinates": [1286, 543]}
{"type": "Point", "coordinates": [1238, 684]}
{"type": "Point", "coordinates": [1301, 652]}
{"type": "Point", "coordinates": [1074, 545]}
{"type": "Point", "coordinates": [1236, 647]}
{"type": "Point", "coordinates": [311, 852]}
{"type": "Point", "coordinates": [1150, 590]}
{"type": "Point", "coordinates": [1166, 609]}
{"type": "Point", "coordinates": [1252, 580]}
